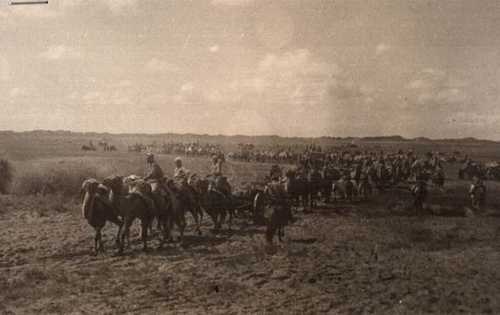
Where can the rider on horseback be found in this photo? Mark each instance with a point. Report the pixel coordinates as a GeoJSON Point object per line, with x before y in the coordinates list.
{"type": "Point", "coordinates": [277, 195]}
{"type": "Point", "coordinates": [218, 182]}
{"type": "Point", "coordinates": [181, 174]}
{"type": "Point", "coordinates": [154, 173]}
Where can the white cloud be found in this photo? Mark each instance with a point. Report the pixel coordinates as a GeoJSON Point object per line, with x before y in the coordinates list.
{"type": "Point", "coordinates": [297, 91]}
{"type": "Point", "coordinates": [381, 48]}
{"type": "Point", "coordinates": [232, 2]}
{"type": "Point", "coordinates": [187, 87]}
{"type": "Point", "coordinates": [73, 95]}
{"type": "Point", "coordinates": [60, 52]}
{"type": "Point", "coordinates": [93, 97]}
{"type": "Point", "coordinates": [110, 97]}
{"type": "Point", "coordinates": [16, 92]}
{"type": "Point", "coordinates": [437, 88]}
{"type": "Point", "coordinates": [214, 48]}
{"type": "Point", "coordinates": [474, 119]}
{"type": "Point", "coordinates": [369, 100]}
{"type": "Point", "coordinates": [416, 84]}
{"type": "Point", "coordinates": [123, 84]}
{"type": "Point", "coordinates": [451, 95]}
{"type": "Point", "coordinates": [434, 72]}
{"type": "Point", "coordinates": [157, 65]}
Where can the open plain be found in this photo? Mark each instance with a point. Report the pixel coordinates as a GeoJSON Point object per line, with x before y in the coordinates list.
{"type": "Point", "coordinates": [374, 256]}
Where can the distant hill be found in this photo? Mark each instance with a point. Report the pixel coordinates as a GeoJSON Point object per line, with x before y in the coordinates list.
{"type": "Point", "coordinates": [235, 139]}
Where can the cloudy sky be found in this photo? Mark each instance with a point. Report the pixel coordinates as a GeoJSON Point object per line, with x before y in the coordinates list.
{"type": "Point", "coordinates": [293, 68]}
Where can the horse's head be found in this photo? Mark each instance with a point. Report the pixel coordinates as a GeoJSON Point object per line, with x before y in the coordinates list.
{"type": "Point", "coordinates": [115, 183]}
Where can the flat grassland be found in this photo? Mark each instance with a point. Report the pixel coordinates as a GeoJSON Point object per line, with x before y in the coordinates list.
{"type": "Point", "coordinates": [361, 257]}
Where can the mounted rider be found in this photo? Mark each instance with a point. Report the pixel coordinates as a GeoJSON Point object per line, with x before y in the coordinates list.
{"type": "Point", "coordinates": [218, 182]}
{"type": "Point", "coordinates": [154, 174]}
{"type": "Point", "coordinates": [276, 194]}
{"type": "Point", "coordinates": [181, 174]}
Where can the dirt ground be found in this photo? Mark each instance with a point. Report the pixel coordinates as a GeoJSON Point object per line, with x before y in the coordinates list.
{"type": "Point", "coordinates": [342, 259]}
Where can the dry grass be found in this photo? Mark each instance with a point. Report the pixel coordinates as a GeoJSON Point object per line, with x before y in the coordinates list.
{"type": "Point", "coordinates": [64, 175]}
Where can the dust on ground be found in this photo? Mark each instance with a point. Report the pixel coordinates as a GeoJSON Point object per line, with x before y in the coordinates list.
{"type": "Point", "coordinates": [345, 259]}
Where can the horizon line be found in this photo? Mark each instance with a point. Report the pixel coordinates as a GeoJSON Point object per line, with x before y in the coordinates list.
{"type": "Point", "coordinates": [243, 135]}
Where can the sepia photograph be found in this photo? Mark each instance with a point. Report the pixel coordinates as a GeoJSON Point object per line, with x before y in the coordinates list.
{"type": "Point", "coordinates": [249, 157]}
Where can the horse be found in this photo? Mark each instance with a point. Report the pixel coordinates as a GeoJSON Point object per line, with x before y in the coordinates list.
{"type": "Point", "coordinates": [297, 188]}
{"type": "Point", "coordinates": [364, 187]}
{"type": "Point", "coordinates": [329, 176]}
{"type": "Point", "coordinates": [275, 215]}
{"type": "Point", "coordinates": [97, 212]}
{"type": "Point", "coordinates": [344, 187]}
{"type": "Point", "coordinates": [438, 178]}
{"type": "Point", "coordinates": [215, 203]}
{"type": "Point", "coordinates": [471, 170]}
{"type": "Point", "coordinates": [87, 148]}
{"type": "Point", "coordinates": [477, 194]}
{"type": "Point", "coordinates": [315, 181]}
{"type": "Point", "coordinates": [131, 206]}
{"type": "Point", "coordinates": [419, 192]}
{"type": "Point", "coordinates": [178, 207]}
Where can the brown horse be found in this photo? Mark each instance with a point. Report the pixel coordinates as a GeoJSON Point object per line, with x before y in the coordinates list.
{"type": "Point", "coordinates": [97, 211]}
{"type": "Point", "coordinates": [297, 188]}
{"type": "Point", "coordinates": [178, 207]}
{"type": "Point", "coordinates": [130, 207]}
{"type": "Point", "coordinates": [215, 203]}
{"type": "Point", "coordinates": [276, 215]}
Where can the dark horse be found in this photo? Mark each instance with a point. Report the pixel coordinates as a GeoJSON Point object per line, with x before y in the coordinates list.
{"type": "Point", "coordinates": [130, 206]}
{"type": "Point", "coordinates": [215, 203]}
{"type": "Point", "coordinates": [329, 176]}
{"type": "Point", "coordinates": [419, 192]}
{"type": "Point", "coordinates": [297, 188]}
{"type": "Point", "coordinates": [275, 214]}
{"type": "Point", "coordinates": [97, 211]}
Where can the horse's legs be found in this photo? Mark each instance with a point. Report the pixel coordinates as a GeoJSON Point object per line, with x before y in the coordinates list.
{"type": "Point", "coordinates": [221, 218]}
{"type": "Point", "coordinates": [145, 223]}
{"type": "Point", "coordinates": [230, 221]}
{"type": "Point", "coordinates": [120, 227]}
{"type": "Point", "coordinates": [181, 224]}
{"type": "Point", "coordinates": [97, 240]}
{"type": "Point", "coordinates": [194, 213]}
{"type": "Point", "coordinates": [124, 233]}
{"type": "Point", "coordinates": [270, 233]}
{"type": "Point", "coordinates": [280, 233]}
